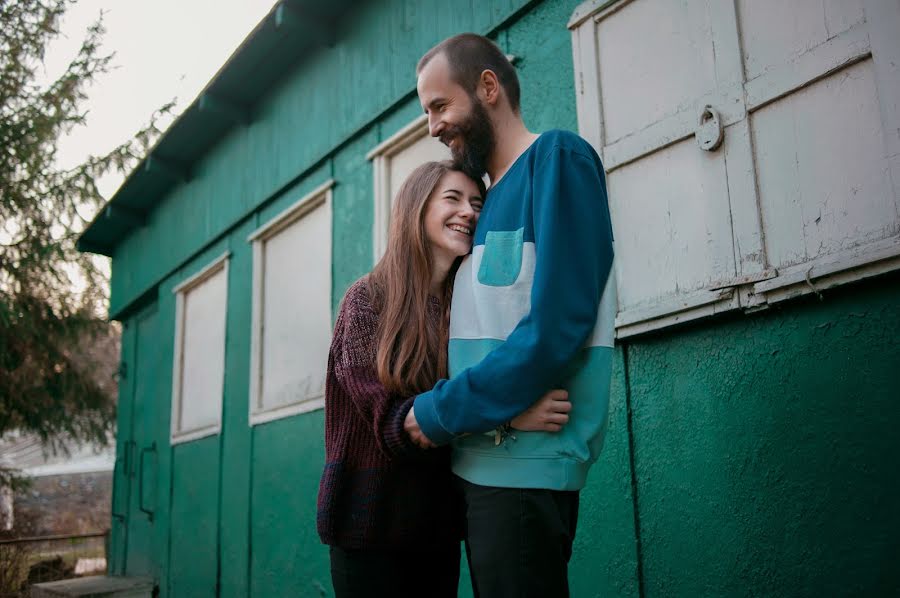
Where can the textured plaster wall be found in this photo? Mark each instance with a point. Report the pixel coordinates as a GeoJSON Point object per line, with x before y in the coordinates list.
{"type": "Point", "coordinates": [765, 450]}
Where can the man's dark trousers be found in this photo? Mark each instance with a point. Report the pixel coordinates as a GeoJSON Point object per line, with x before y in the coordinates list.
{"type": "Point", "coordinates": [519, 540]}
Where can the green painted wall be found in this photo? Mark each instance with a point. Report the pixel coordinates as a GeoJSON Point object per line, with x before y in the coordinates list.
{"type": "Point", "coordinates": [287, 559]}
{"type": "Point", "coordinates": [296, 128]}
{"type": "Point", "coordinates": [765, 450]}
{"type": "Point", "coordinates": [745, 455]}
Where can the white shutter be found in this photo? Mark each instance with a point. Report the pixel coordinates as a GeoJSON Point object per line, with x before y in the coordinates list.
{"type": "Point", "coordinates": [424, 149]}
{"type": "Point", "coordinates": [393, 160]}
{"type": "Point", "coordinates": [801, 186]}
{"type": "Point", "coordinates": [824, 177]}
{"type": "Point", "coordinates": [199, 368]}
{"type": "Point", "coordinates": [291, 309]}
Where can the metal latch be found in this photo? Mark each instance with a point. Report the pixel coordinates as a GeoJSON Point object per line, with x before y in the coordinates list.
{"type": "Point", "coordinates": [709, 130]}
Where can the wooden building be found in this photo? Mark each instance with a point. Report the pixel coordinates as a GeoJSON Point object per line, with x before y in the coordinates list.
{"type": "Point", "coordinates": [753, 157]}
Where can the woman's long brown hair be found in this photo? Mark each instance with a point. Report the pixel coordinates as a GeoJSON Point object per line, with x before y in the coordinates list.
{"type": "Point", "coordinates": [411, 352]}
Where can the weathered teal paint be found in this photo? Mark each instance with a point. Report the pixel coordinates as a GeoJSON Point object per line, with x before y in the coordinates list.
{"type": "Point", "coordinates": [295, 129]}
{"type": "Point", "coordinates": [751, 454]}
{"type": "Point", "coordinates": [236, 439]}
{"type": "Point", "coordinates": [287, 557]}
{"type": "Point", "coordinates": [144, 534]}
{"type": "Point", "coordinates": [352, 214]}
{"type": "Point", "coordinates": [194, 517]}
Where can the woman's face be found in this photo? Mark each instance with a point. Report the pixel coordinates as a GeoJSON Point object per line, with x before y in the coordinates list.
{"type": "Point", "coordinates": [451, 215]}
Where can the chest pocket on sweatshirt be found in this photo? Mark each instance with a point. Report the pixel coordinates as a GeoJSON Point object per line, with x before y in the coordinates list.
{"type": "Point", "coordinates": [502, 258]}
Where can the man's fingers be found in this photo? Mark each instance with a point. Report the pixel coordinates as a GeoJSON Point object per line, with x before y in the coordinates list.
{"type": "Point", "coordinates": [558, 395]}
{"type": "Point", "coordinates": [550, 427]}
{"type": "Point", "coordinates": [558, 418]}
{"type": "Point", "coordinates": [561, 406]}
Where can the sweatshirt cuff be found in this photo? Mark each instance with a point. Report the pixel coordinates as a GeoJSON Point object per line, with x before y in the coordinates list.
{"type": "Point", "coordinates": [426, 415]}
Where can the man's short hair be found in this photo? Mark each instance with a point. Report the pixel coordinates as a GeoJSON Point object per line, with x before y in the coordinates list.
{"type": "Point", "coordinates": [468, 55]}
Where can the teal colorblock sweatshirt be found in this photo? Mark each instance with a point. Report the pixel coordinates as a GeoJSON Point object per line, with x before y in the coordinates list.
{"type": "Point", "coordinates": [533, 310]}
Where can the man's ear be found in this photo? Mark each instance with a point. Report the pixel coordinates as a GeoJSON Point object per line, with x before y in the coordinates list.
{"type": "Point", "coordinates": [489, 87]}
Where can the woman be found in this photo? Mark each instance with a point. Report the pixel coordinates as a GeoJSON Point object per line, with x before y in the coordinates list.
{"type": "Point", "coordinates": [389, 510]}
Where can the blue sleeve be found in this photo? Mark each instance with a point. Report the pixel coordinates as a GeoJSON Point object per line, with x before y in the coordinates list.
{"type": "Point", "coordinates": [573, 242]}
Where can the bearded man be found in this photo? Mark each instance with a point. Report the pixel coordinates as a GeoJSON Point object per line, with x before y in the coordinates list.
{"type": "Point", "coordinates": [533, 309]}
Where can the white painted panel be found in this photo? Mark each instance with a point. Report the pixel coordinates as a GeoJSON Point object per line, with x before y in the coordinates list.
{"type": "Point", "coordinates": [671, 223]}
{"type": "Point", "coordinates": [404, 162]}
{"type": "Point", "coordinates": [822, 175]}
{"type": "Point", "coordinates": [655, 60]}
{"type": "Point", "coordinates": [203, 353]}
{"type": "Point", "coordinates": [774, 32]}
{"type": "Point", "coordinates": [838, 52]}
{"type": "Point", "coordinates": [296, 310]}
{"type": "Point", "coordinates": [883, 23]}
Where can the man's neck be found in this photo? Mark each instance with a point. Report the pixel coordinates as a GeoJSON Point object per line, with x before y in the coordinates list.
{"type": "Point", "coordinates": [512, 139]}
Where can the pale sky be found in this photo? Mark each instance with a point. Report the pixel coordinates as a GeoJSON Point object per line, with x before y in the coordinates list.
{"type": "Point", "coordinates": [163, 49]}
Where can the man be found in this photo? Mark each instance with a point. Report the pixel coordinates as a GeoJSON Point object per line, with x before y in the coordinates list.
{"type": "Point", "coordinates": [533, 310]}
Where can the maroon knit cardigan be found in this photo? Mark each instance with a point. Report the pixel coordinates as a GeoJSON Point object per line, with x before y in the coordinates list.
{"type": "Point", "coordinates": [378, 489]}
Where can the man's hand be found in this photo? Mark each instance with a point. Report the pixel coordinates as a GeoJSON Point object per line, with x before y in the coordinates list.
{"type": "Point", "coordinates": [411, 426]}
{"type": "Point", "coordinates": [548, 414]}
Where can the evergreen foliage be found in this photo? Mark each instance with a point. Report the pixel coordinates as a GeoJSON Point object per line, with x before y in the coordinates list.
{"type": "Point", "coordinates": [52, 298]}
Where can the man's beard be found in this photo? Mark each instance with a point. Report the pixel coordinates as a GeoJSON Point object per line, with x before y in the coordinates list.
{"type": "Point", "coordinates": [475, 142]}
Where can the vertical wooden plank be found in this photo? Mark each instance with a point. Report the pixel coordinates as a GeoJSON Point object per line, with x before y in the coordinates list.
{"type": "Point", "coordinates": [234, 463]}
{"type": "Point", "coordinates": [726, 41]}
{"type": "Point", "coordinates": [587, 84]}
{"type": "Point", "coordinates": [145, 534]}
{"type": "Point", "coordinates": [195, 518]}
{"type": "Point", "coordinates": [749, 251]}
{"type": "Point", "coordinates": [883, 20]}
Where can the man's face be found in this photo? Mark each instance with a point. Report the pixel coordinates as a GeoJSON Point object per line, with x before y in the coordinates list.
{"type": "Point", "coordinates": [455, 117]}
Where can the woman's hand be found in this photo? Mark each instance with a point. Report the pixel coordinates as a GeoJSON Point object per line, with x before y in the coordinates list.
{"type": "Point", "coordinates": [548, 414]}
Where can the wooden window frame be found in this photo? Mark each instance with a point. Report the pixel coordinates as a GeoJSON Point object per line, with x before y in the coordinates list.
{"type": "Point", "coordinates": [318, 198]}
{"type": "Point", "coordinates": [381, 156]}
{"type": "Point", "coordinates": [178, 434]}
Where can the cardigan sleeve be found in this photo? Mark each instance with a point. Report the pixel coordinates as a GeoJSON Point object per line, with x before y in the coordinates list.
{"type": "Point", "coordinates": [353, 361]}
